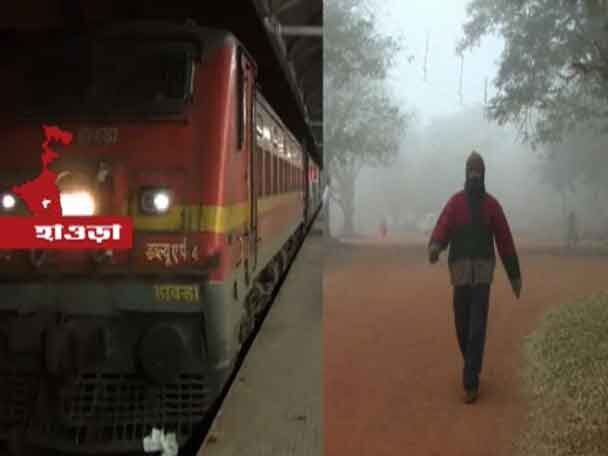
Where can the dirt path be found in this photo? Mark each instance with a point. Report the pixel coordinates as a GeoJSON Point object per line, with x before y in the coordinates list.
{"type": "Point", "coordinates": [392, 366]}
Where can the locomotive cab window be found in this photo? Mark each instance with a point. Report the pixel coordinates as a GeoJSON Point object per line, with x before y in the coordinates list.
{"type": "Point", "coordinates": [110, 76]}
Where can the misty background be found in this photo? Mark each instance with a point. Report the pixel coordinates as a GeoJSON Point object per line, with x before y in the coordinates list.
{"type": "Point", "coordinates": [445, 122]}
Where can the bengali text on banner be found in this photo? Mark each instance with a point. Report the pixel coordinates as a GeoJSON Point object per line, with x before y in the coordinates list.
{"type": "Point", "coordinates": [66, 232]}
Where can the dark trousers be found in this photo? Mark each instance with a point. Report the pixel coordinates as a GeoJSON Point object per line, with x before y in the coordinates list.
{"type": "Point", "coordinates": [471, 317]}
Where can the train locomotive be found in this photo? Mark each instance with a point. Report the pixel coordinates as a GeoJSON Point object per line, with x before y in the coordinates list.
{"type": "Point", "coordinates": [170, 129]}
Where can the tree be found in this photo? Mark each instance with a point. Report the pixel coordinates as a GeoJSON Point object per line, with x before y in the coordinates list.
{"type": "Point", "coordinates": [352, 48]}
{"type": "Point", "coordinates": [390, 191]}
{"type": "Point", "coordinates": [559, 170]}
{"type": "Point", "coordinates": [365, 125]}
{"type": "Point", "coordinates": [553, 74]}
{"type": "Point", "coordinates": [577, 169]}
{"type": "Point", "coordinates": [365, 129]}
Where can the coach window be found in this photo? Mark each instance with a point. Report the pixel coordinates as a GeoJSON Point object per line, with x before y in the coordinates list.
{"type": "Point", "coordinates": [297, 177]}
{"type": "Point", "coordinates": [280, 173]}
{"type": "Point", "coordinates": [289, 164]}
{"type": "Point", "coordinates": [295, 168]}
{"type": "Point", "coordinates": [272, 173]}
{"type": "Point", "coordinates": [270, 158]}
{"type": "Point", "coordinates": [283, 174]}
{"type": "Point", "coordinates": [259, 167]}
{"type": "Point", "coordinates": [266, 173]}
{"type": "Point", "coordinates": [271, 176]}
{"type": "Point", "coordinates": [259, 129]}
{"type": "Point", "coordinates": [290, 168]}
{"type": "Point", "coordinates": [260, 172]}
{"type": "Point", "coordinates": [277, 181]}
{"type": "Point", "coordinates": [275, 139]}
{"type": "Point", "coordinates": [259, 139]}
{"type": "Point", "coordinates": [283, 166]}
{"type": "Point", "coordinates": [286, 159]}
{"type": "Point", "coordinates": [289, 174]}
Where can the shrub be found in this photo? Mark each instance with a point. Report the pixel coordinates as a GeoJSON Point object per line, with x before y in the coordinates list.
{"type": "Point", "coordinates": [566, 381]}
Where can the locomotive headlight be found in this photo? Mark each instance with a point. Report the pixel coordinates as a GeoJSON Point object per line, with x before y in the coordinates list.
{"type": "Point", "coordinates": [77, 203]}
{"type": "Point", "coordinates": [161, 201]}
{"type": "Point", "coordinates": [9, 201]}
{"type": "Point", "coordinates": [156, 201]}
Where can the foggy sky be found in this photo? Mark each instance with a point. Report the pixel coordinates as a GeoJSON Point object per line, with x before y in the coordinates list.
{"type": "Point", "coordinates": [444, 20]}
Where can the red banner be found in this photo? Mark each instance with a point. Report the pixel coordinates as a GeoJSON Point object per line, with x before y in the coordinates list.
{"type": "Point", "coordinates": [66, 232]}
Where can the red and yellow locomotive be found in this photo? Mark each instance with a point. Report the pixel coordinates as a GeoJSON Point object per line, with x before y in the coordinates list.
{"type": "Point", "coordinates": [97, 348]}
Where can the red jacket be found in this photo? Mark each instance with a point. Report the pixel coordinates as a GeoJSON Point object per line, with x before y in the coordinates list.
{"type": "Point", "coordinates": [472, 256]}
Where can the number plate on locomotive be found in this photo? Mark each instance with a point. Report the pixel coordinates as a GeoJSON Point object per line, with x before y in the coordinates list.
{"type": "Point", "coordinates": [183, 293]}
{"type": "Point", "coordinates": [97, 136]}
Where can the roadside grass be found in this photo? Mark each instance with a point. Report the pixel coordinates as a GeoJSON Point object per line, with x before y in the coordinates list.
{"type": "Point", "coordinates": [566, 381]}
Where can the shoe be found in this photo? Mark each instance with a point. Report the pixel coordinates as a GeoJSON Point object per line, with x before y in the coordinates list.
{"type": "Point", "coordinates": [470, 396]}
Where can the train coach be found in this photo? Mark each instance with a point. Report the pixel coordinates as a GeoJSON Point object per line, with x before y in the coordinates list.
{"type": "Point", "coordinates": [170, 128]}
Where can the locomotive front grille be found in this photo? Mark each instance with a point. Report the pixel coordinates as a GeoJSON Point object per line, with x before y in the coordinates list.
{"type": "Point", "coordinates": [118, 410]}
{"type": "Point", "coordinates": [18, 390]}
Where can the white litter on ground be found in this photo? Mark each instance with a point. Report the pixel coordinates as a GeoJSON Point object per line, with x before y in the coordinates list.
{"type": "Point", "coordinates": [159, 441]}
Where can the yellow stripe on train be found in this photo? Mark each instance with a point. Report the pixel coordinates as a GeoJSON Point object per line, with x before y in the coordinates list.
{"type": "Point", "coordinates": [216, 219]}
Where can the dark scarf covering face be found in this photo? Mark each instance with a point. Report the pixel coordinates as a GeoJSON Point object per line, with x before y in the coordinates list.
{"type": "Point", "coordinates": [475, 186]}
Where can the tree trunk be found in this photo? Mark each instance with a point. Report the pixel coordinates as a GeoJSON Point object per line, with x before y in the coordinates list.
{"type": "Point", "coordinates": [564, 215]}
{"type": "Point", "coordinates": [347, 197]}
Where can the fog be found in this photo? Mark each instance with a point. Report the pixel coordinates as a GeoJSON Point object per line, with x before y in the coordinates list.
{"type": "Point", "coordinates": [431, 161]}
{"type": "Point", "coordinates": [431, 167]}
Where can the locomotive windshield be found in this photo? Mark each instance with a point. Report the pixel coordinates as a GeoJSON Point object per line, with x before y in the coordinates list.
{"type": "Point", "coordinates": [111, 78]}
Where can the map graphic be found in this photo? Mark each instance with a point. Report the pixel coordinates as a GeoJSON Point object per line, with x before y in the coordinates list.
{"type": "Point", "coordinates": [50, 228]}
{"type": "Point", "coordinates": [41, 195]}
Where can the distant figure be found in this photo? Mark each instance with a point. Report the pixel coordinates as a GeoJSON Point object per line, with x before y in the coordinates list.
{"type": "Point", "coordinates": [383, 228]}
{"type": "Point", "coordinates": [469, 223]}
{"type": "Point", "coordinates": [325, 196]}
{"type": "Point", "coordinates": [572, 232]}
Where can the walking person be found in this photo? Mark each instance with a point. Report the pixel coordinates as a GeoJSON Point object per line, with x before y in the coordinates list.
{"type": "Point", "coordinates": [468, 224]}
{"type": "Point", "coordinates": [383, 228]}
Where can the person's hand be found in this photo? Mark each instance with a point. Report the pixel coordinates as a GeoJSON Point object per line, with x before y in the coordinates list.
{"type": "Point", "coordinates": [433, 253]}
{"type": "Point", "coordinates": [516, 285]}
